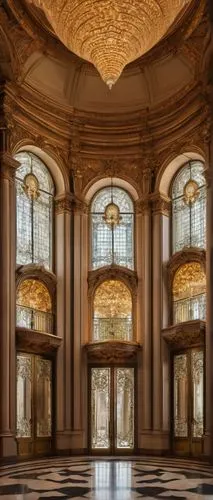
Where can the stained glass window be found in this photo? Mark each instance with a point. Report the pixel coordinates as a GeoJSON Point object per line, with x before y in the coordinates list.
{"type": "Point", "coordinates": [34, 211]}
{"type": "Point", "coordinates": [112, 312]}
{"type": "Point", "coordinates": [34, 306]}
{"type": "Point", "coordinates": [112, 218]}
{"type": "Point", "coordinates": [189, 207]}
{"type": "Point", "coordinates": [189, 293]}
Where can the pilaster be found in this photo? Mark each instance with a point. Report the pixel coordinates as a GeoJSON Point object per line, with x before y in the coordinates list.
{"type": "Point", "coordinates": [7, 300]}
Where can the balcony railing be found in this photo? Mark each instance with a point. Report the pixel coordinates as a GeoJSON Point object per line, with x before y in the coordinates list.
{"type": "Point", "coordinates": [33, 319]}
{"type": "Point", "coordinates": [112, 329]}
{"type": "Point", "coordinates": [190, 309]}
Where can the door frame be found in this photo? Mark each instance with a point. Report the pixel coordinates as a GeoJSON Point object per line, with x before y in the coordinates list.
{"type": "Point", "coordinates": [189, 440]}
{"type": "Point", "coordinates": [112, 450]}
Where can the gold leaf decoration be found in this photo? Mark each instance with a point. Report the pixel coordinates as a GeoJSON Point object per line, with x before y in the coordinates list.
{"type": "Point", "coordinates": [189, 281]}
{"type": "Point", "coordinates": [34, 294]}
{"type": "Point", "coordinates": [112, 299]}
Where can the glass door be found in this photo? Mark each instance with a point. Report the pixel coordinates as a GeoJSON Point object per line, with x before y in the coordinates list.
{"type": "Point", "coordinates": [111, 410]}
{"type": "Point", "coordinates": [188, 402]}
{"type": "Point", "coordinates": [33, 405]}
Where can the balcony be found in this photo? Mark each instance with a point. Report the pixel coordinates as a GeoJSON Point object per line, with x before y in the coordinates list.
{"type": "Point", "coordinates": [112, 329]}
{"type": "Point", "coordinates": [189, 309]}
{"type": "Point", "coordinates": [33, 319]}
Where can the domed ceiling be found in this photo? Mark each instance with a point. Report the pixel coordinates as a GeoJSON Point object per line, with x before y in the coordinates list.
{"type": "Point", "coordinates": [64, 78]}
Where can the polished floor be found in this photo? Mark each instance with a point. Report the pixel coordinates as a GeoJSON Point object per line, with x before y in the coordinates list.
{"type": "Point", "coordinates": [106, 479]}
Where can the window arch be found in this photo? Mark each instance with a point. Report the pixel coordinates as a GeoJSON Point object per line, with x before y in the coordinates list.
{"type": "Point", "coordinates": [112, 224]}
{"type": "Point", "coordinates": [112, 312]}
{"type": "Point", "coordinates": [189, 293]}
{"type": "Point", "coordinates": [34, 211]}
{"type": "Point", "coordinates": [189, 207]}
{"type": "Point", "coordinates": [34, 306]}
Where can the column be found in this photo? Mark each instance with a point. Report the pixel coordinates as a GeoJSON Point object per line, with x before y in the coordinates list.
{"type": "Point", "coordinates": [144, 257]}
{"type": "Point", "coordinates": [80, 327]}
{"type": "Point", "coordinates": [208, 432]}
{"type": "Point", "coordinates": [64, 273]}
{"type": "Point", "coordinates": [7, 304]}
{"type": "Point", "coordinates": [160, 435]}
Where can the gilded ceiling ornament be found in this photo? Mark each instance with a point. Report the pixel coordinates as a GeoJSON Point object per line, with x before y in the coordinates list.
{"type": "Point", "coordinates": [112, 214]}
{"type": "Point", "coordinates": [110, 33]}
{"type": "Point", "coordinates": [31, 186]}
{"type": "Point", "coordinates": [191, 192]}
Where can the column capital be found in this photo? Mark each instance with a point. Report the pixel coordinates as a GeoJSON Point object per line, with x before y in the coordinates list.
{"type": "Point", "coordinates": [64, 203]}
{"type": "Point", "coordinates": [69, 203]}
{"type": "Point", "coordinates": [161, 204]}
{"type": "Point", "coordinates": [8, 166]}
{"type": "Point", "coordinates": [143, 205]}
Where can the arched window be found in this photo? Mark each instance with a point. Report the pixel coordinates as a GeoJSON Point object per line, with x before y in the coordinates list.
{"type": "Point", "coordinates": [189, 207]}
{"type": "Point", "coordinates": [112, 312]}
{"type": "Point", "coordinates": [189, 293]}
{"type": "Point", "coordinates": [34, 211]}
{"type": "Point", "coordinates": [34, 306]}
{"type": "Point", "coordinates": [112, 217]}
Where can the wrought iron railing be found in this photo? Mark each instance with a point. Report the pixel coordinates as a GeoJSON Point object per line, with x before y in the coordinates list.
{"type": "Point", "coordinates": [112, 329]}
{"type": "Point", "coordinates": [190, 309]}
{"type": "Point", "coordinates": [34, 320]}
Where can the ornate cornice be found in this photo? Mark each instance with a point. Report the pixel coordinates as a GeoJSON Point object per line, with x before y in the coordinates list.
{"type": "Point", "coordinates": [112, 351]}
{"type": "Point", "coordinates": [113, 272]}
{"type": "Point", "coordinates": [186, 334]}
{"type": "Point", "coordinates": [180, 258]}
{"type": "Point", "coordinates": [37, 342]}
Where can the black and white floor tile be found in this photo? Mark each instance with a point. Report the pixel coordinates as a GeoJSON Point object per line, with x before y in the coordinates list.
{"type": "Point", "coordinates": [106, 479]}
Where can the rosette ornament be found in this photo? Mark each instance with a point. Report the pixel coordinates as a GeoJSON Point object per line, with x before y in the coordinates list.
{"type": "Point", "coordinates": [110, 33]}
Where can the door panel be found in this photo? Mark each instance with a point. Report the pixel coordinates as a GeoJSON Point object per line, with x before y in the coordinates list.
{"type": "Point", "coordinates": [124, 383]}
{"type": "Point", "coordinates": [34, 404]}
{"type": "Point", "coordinates": [100, 408]}
{"type": "Point", "coordinates": [112, 410]}
{"type": "Point", "coordinates": [188, 403]}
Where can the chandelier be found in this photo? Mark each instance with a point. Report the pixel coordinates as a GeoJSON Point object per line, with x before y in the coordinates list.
{"type": "Point", "coordinates": [110, 33]}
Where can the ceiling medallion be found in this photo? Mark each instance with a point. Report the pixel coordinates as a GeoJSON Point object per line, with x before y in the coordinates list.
{"type": "Point", "coordinates": [112, 214]}
{"type": "Point", "coordinates": [31, 186]}
{"type": "Point", "coordinates": [191, 192]}
{"type": "Point", "coordinates": [110, 33]}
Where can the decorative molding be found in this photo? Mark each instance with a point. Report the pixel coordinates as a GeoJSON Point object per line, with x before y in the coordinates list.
{"type": "Point", "coordinates": [113, 272]}
{"type": "Point", "coordinates": [183, 257]}
{"type": "Point", "coordinates": [113, 351]}
{"type": "Point", "coordinates": [37, 342]}
{"type": "Point", "coordinates": [185, 335]}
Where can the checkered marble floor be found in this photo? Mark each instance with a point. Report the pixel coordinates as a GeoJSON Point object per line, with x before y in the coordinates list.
{"type": "Point", "coordinates": [106, 479]}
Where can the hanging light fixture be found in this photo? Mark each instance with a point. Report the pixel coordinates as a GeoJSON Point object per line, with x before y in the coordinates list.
{"type": "Point", "coordinates": [112, 212]}
{"type": "Point", "coordinates": [110, 33]}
